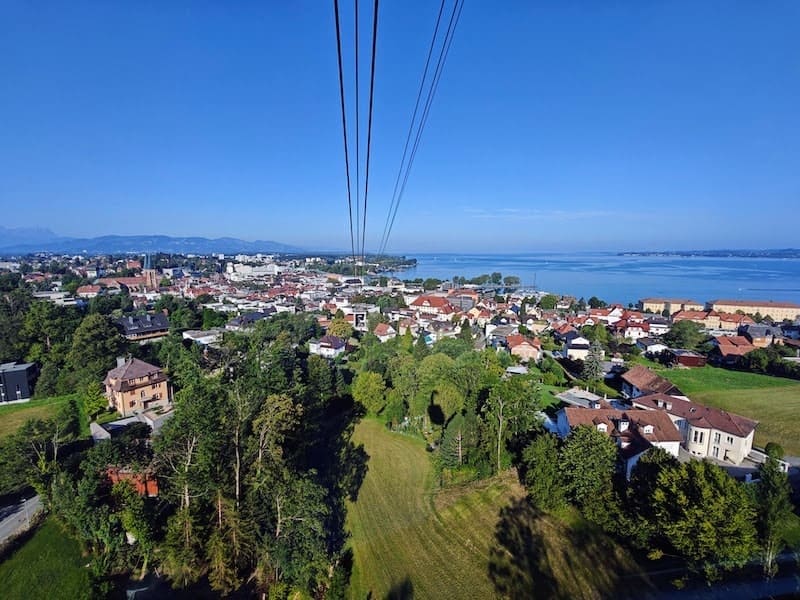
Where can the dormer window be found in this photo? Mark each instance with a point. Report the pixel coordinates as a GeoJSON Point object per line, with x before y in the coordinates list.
{"type": "Point", "coordinates": [602, 427]}
{"type": "Point", "coordinates": [648, 429]}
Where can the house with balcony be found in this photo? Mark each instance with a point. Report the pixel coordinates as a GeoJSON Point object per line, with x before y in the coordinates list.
{"type": "Point", "coordinates": [135, 386]}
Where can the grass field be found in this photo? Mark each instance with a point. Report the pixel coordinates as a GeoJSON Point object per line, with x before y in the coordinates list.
{"type": "Point", "coordinates": [773, 401]}
{"type": "Point", "coordinates": [13, 416]}
{"type": "Point", "coordinates": [49, 565]}
{"type": "Point", "coordinates": [411, 540]}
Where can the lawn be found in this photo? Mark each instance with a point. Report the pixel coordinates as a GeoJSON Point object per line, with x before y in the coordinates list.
{"type": "Point", "coordinates": [13, 416]}
{"type": "Point", "coordinates": [773, 401]}
{"type": "Point", "coordinates": [49, 565]}
{"type": "Point", "coordinates": [410, 539]}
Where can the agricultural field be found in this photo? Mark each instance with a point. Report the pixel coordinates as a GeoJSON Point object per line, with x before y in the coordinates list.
{"type": "Point", "coordinates": [13, 416]}
{"type": "Point", "coordinates": [411, 539]}
{"type": "Point", "coordinates": [773, 401]}
{"type": "Point", "coordinates": [49, 565]}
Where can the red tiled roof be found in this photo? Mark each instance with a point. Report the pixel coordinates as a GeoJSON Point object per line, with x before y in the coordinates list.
{"type": "Point", "coordinates": [699, 415]}
{"type": "Point", "coordinates": [648, 381]}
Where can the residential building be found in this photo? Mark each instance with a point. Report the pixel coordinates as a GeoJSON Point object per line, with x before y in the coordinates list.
{"type": "Point", "coordinates": [328, 346]}
{"type": "Point", "coordinates": [432, 305]}
{"type": "Point", "coordinates": [651, 346]}
{"type": "Point", "coordinates": [633, 431]}
{"type": "Point", "coordinates": [671, 305]}
{"type": "Point", "coordinates": [384, 332]}
{"type": "Point", "coordinates": [578, 349]}
{"type": "Point", "coordinates": [762, 335]}
{"type": "Point", "coordinates": [728, 349]}
{"type": "Point", "coordinates": [135, 386]}
{"type": "Point", "coordinates": [136, 328]}
{"type": "Point", "coordinates": [658, 325]}
{"type": "Point", "coordinates": [17, 381]}
{"type": "Point", "coordinates": [641, 381]}
{"type": "Point", "coordinates": [525, 348]}
{"type": "Point", "coordinates": [204, 337]}
{"type": "Point", "coordinates": [706, 432]}
{"type": "Point", "coordinates": [777, 311]}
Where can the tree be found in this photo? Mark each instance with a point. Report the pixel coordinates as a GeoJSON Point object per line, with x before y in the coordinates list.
{"type": "Point", "coordinates": [509, 410]}
{"type": "Point", "coordinates": [93, 399]}
{"type": "Point", "coordinates": [95, 346]}
{"type": "Point", "coordinates": [548, 302]}
{"type": "Point", "coordinates": [774, 508]}
{"type": "Point", "coordinates": [685, 334]}
{"type": "Point", "coordinates": [431, 284]}
{"type": "Point", "coordinates": [588, 459]}
{"type": "Point", "coordinates": [340, 328]}
{"type": "Point", "coordinates": [593, 365]}
{"type": "Point", "coordinates": [496, 278]}
{"type": "Point", "coordinates": [465, 333]}
{"type": "Point", "coordinates": [542, 476]}
{"type": "Point", "coordinates": [370, 390]}
{"type": "Point", "coordinates": [511, 281]}
{"type": "Point", "coordinates": [595, 302]}
{"type": "Point", "coordinates": [706, 516]}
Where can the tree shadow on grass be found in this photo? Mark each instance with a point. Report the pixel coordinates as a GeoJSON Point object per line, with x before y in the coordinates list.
{"type": "Point", "coordinates": [537, 555]}
{"type": "Point", "coordinates": [403, 590]}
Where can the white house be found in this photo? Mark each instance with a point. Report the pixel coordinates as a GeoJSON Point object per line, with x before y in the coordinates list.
{"type": "Point", "coordinates": [706, 432]}
{"type": "Point", "coordinates": [578, 349]}
{"type": "Point", "coordinates": [328, 346]}
{"type": "Point", "coordinates": [633, 431]}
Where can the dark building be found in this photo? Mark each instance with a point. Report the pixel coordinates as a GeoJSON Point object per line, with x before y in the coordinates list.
{"type": "Point", "coordinates": [144, 327]}
{"type": "Point", "coordinates": [17, 381]}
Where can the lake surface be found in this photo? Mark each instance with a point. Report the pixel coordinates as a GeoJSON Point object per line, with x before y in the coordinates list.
{"type": "Point", "coordinates": [627, 278]}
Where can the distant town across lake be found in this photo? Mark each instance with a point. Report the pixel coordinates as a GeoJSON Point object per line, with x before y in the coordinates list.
{"type": "Point", "coordinates": [627, 278]}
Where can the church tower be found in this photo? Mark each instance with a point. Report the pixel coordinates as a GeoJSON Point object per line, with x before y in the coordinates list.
{"type": "Point", "coordinates": [150, 275]}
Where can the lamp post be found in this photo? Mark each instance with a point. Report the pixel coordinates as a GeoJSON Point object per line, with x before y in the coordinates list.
{"type": "Point", "coordinates": [27, 516]}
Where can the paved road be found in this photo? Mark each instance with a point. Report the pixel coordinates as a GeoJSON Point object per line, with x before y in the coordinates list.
{"type": "Point", "coordinates": [15, 517]}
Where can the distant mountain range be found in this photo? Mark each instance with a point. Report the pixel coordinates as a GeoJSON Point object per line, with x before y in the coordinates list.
{"type": "Point", "coordinates": [32, 240]}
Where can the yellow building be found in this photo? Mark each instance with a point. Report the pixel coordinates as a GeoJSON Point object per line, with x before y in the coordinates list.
{"type": "Point", "coordinates": [135, 386]}
{"type": "Point", "coordinates": [673, 305]}
{"type": "Point", "coordinates": [777, 311]}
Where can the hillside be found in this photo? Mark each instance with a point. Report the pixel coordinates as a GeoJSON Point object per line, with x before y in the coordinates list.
{"type": "Point", "coordinates": [411, 540]}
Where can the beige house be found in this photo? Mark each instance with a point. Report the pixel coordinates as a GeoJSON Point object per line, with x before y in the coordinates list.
{"type": "Point", "coordinates": [777, 311]}
{"type": "Point", "coordinates": [708, 319]}
{"type": "Point", "coordinates": [135, 386]}
{"type": "Point", "coordinates": [673, 305]}
{"type": "Point", "coordinates": [525, 348]}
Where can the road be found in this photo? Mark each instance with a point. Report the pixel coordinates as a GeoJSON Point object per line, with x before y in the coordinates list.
{"type": "Point", "coordinates": [15, 518]}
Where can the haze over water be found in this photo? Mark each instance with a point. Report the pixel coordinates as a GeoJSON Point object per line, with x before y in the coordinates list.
{"type": "Point", "coordinates": [626, 279]}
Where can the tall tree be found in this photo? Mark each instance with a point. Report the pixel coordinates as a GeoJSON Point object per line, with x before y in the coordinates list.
{"type": "Point", "coordinates": [542, 476]}
{"type": "Point", "coordinates": [593, 364]}
{"type": "Point", "coordinates": [95, 346]}
{"type": "Point", "coordinates": [774, 508]}
{"type": "Point", "coordinates": [588, 460]}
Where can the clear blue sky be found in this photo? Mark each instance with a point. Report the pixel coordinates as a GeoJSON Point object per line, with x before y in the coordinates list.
{"type": "Point", "coordinates": [558, 125]}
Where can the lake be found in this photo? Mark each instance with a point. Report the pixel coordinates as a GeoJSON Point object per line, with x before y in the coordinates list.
{"type": "Point", "coordinates": [626, 279]}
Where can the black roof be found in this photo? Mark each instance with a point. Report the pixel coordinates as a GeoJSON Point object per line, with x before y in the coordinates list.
{"type": "Point", "coordinates": [137, 324]}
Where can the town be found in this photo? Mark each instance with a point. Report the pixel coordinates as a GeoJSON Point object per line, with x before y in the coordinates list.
{"type": "Point", "coordinates": [475, 368]}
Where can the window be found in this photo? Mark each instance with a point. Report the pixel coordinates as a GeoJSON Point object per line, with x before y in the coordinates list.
{"type": "Point", "coordinates": [715, 451]}
{"type": "Point", "coordinates": [730, 440]}
{"type": "Point", "coordinates": [602, 427]}
{"type": "Point", "coordinates": [648, 429]}
{"type": "Point", "coordinates": [716, 438]}
{"type": "Point", "coordinates": [702, 435]}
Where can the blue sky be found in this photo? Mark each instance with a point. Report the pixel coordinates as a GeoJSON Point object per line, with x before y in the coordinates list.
{"type": "Point", "coordinates": [557, 126]}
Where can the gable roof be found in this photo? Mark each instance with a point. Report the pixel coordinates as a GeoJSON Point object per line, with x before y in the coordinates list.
{"type": "Point", "coordinates": [137, 324]}
{"type": "Point", "coordinates": [647, 381]}
{"type": "Point", "coordinates": [699, 415]}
